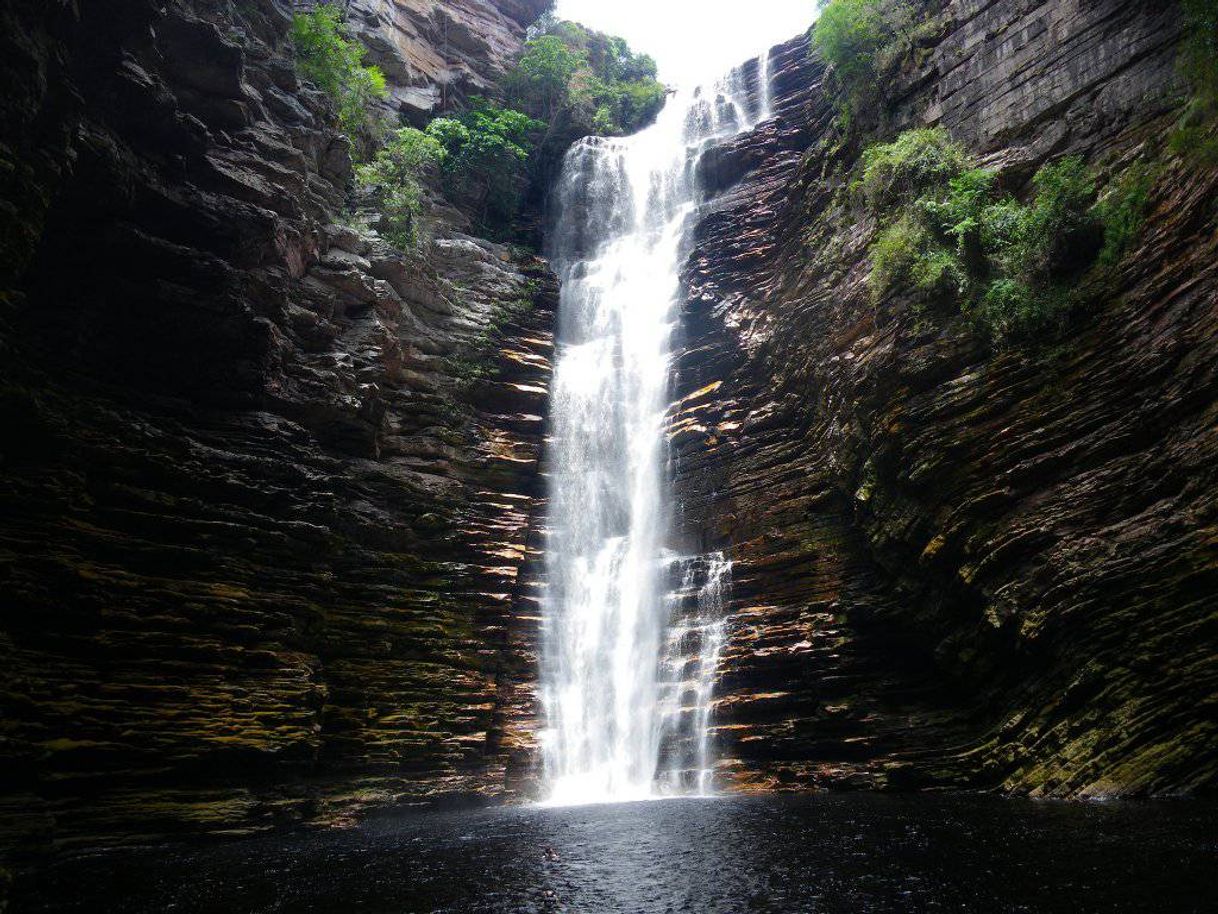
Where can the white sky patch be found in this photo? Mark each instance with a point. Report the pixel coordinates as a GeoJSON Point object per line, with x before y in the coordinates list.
{"type": "Point", "coordinates": [695, 39]}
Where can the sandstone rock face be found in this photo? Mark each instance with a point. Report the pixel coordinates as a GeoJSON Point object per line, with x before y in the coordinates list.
{"type": "Point", "coordinates": [437, 54]}
{"type": "Point", "coordinates": [269, 522]}
{"type": "Point", "coordinates": [268, 484]}
{"type": "Point", "coordinates": [956, 565]}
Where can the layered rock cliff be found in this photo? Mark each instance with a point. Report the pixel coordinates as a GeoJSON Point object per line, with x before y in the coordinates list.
{"type": "Point", "coordinates": [436, 55]}
{"type": "Point", "coordinates": [271, 489]}
{"type": "Point", "coordinates": [958, 564]}
{"type": "Point", "coordinates": [268, 484]}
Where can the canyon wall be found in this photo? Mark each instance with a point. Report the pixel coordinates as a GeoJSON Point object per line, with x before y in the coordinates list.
{"type": "Point", "coordinates": [958, 563]}
{"type": "Point", "coordinates": [271, 490]}
{"type": "Point", "coordinates": [437, 55]}
{"type": "Point", "coordinates": [268, 484]}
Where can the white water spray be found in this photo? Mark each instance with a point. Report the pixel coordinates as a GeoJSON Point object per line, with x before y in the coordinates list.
{"type": "Point", "coordinates": [689, 661]}
{"type": "Point", "coordinates": [624, 210]}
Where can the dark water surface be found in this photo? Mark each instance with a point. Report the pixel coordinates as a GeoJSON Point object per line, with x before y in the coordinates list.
{"type": "Point", "coordinates": [820, 853]}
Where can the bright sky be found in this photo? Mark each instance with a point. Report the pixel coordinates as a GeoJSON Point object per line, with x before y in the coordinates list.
{"type": "Point", "coordinates": [692, 39]}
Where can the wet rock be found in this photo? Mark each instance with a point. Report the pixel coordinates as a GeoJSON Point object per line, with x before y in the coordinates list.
{"type": "Point", "coordinates": [954, 565]}
{"type": "Point", "coordinates": [262, 543]}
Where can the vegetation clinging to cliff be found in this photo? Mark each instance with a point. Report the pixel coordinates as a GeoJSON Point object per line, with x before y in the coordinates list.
{"type": "Point", "coordinates": [1200, 53]}
{"type": "Point", "coordinates": [948, 236]}
{"type": "Point", "coordinates": [861, 40]}
{"type": "Point", "coordinates": [570, 82]}
{"type": "Point", "coordinates": [479, 154]}
{"type": "Point", "coordinates": [1123, 209]}
{"type": "Point", "coordinates": [915, 161]}
{"type": "Point", "coordinates": [582, 82]}
{"type": "Point", "coordinates": [328, 56]}
{"type": "Point", "coordinates": [1199, 64]}
{"type": "Point", "coordinates": [486, 150]}
{"type": "Point", "coordinates": [396, 174]}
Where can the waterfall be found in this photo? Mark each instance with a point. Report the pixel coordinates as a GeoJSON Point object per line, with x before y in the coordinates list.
{"type": "Point", "coordinates": [614, 691]}
{"type": "Point", "coordinates": [689, 660]}
{"type": "Point", "coordinates": [765, 89]}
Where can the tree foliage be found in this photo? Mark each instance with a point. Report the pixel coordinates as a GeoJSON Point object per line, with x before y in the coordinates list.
{"type": "Point", "coordinates": [582, 82]}
{"type": "Point", "coordinates": [396, 174]}
{"type": "Point", "coordinates": [541, 81]}
{"type": "Point", "coordinates": [331, 58]}
{"type": "Point", "coordinates": [861, 40]}
{"type": "Point", "coordinates": [484, 160]}
{"type": "Point", "coordinates": [479, 154]}
{"type": "Point", "coordinates": [849, 33]}
{"type": "Point", "coordinates": [570, 82]}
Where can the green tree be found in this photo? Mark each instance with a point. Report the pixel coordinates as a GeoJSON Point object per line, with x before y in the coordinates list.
{"type": "Point", "coordinates": [333, 60]}
{"type": "Point", "coordinates": [485, 154]}
{"type": "Point", "coordinates": [848, 34]}
{"type": "Point", "coordinates": [582, 82]}
{"type": "Point", "coordinates": [541, 80]}
{"type": "Point", "coordinates": [396, 174]}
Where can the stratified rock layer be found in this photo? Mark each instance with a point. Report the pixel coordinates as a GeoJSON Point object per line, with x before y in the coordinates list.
{"type": "Point", "coordinates": [438, 54]}
{"type": "Point", "coordinates": [271, 489]}
{"type": "Point", "coordinates": [268, 483]}
{"type": "Point", "coordinates": [956, 565]}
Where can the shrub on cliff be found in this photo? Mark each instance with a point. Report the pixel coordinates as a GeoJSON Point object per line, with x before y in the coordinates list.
{"type": "Point", "coordinates": [1194, 137]}
{"type": "Point", "coordinates": [1199, 55]}
{"type": "Point", "coordinates": [1123, 210]}
{"type": "Point", "coordinates": [1057, 233]}
{"type": "Point", "coordinates": [908, 253]}
{"type": "Point", "coordinates": [396, 175]}
{"type": "Point", "coordinates": [948, 237]}
{"type": "Point", "coordinates": [1030, 252]}
{"type": "Point", "coordinates": [862, 40]}
{"type": "Point", "coordinates": [330, 57]}
{"type": "Point", "coordinates": [485, 151]}
{"type": "Point", "coordinates": [581, 82]}
{"type": "Point", "coordinates": [916, 161]}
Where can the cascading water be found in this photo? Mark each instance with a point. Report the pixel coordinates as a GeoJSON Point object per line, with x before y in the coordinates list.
{"type": "Point", "coordinates": [688, 663]}
{"type": "Point", "coordinates": [624, 209]}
